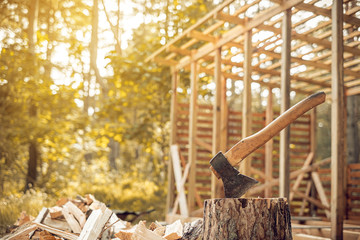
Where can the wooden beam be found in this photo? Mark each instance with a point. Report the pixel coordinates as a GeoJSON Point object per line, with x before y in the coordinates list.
{"type": "Point", "coordinates": [188, 30]}
{"type": "Point", "coordinates": [238, 30]}
{"type": "Point", "coordinates": [327, 13]}
{"type": "Point", "coordinates": [303, 203]}
{"type": "Point", "coordinates": [293, 175]}
{"type": "Point", "coordinates": [224, 117]}
{"type": "Point", "coordinates": [284, 164]}
{"type": "Point", "coordinates": [299, 178]}
{"type": "Point", "coordinates": [173, 119]}
{"type": "Point", "coordinates": [216, 184]}
{"type": "Point", "coordinates": [192, 134]}
{"type": "Point", "coordinates": [230, 18]}
{"type": "Point", "coordinates": [269, 145]}
{"type": "Point", "coordinates": [245, 166]}
{"type": "Point", "coordinates": [310, 39]}
{"type": "Point", "coordinates": [320, 190]}
{"type": "Point", "coordinates": [201, 36]}
{"type": "Point", "coordinates": [180, 180]}
{"type": "Point", "coordinates": [337, 122]}
{"type": "Point", "coordinates": [181, 51]}
{"type": "Point", "coordinates": [312, 63]}
{"type": "Point", "coordinates": [203, 144]}
{"type": "Point", "coordinates": [165, 62]}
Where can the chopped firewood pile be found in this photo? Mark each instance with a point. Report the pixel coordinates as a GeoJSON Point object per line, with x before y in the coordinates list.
{"type": "Point", "coordinates": [89, 219]}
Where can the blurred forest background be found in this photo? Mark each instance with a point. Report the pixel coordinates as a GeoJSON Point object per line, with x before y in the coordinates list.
{"type": "Point", "coordinates": [80, 110]}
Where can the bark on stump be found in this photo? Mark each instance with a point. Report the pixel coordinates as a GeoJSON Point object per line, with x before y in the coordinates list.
{"type": "Point", "coordinates": [247, 218]}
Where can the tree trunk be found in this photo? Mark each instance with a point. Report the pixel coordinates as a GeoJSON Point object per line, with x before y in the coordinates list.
{"type": "Point", "coordinates": [33, 154]}
{"type": "Point", "coordinates": [247, 218]}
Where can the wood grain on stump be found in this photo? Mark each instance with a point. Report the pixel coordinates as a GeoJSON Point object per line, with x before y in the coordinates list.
{"type": "Point", "coordinates": [247, 218]}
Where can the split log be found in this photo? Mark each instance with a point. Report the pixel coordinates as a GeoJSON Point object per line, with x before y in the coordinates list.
{"type": "Point", "coordinates": [193, 230]}
{"type": "Point", "coordinates": [247, 218]}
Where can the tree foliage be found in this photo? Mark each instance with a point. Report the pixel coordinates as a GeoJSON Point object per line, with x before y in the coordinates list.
{"type": "Point", "coordinates": [77, 120]}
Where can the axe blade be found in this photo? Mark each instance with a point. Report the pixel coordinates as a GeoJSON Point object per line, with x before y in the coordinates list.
{"type": "Point", "coordinates": [235, 184]}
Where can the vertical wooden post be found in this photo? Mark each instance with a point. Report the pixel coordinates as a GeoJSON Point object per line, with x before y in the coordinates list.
{"type": "Point", "coordinates": [284, 168]}
{"type": "Point", "coordinates": [192, 134]}
{"type": "Point", "coordinates": [269, 145]}
{"type": "Point", "coordinates": [312, 191]}
{"type": "Point", "coordinates": [216, 184]}
{"type": "Point", "coordinates": [245, 166]}
{"type": "Point", "coordinates": [173, 120]}
{"type": "Point", "coordinates": [337, 122]}
{"type": "Point", "coordinates": [224, 117]}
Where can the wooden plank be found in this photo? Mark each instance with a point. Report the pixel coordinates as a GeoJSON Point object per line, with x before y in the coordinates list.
{"type": "Point", "coordinates": [58, 224]}
{"type": "Point", "coordinates": [57, 232]}
{"type": "Point", "coordinates": [293, 175]}
{"type": "Point", "coordinates": [77, 213]}
{"type": "Point", "coordinates": [310, 39]}
{"type": "Point", "coordinates": [224, 117]}
{"type": "Point", "coordinates": [188, 30]}
{"type": "Point", "coordinates": [200, 36]}
{"type": "Point", "coordinates": [325, 12]}
{"type": "Point", "coordinates": [303, 203]}
{"type": "Point", "coordinates": [73, 223]}
{"type": "Point", "coordinates": [95, 224]}
{"type": "Point", "coordinates": [238, 30]}
{"type": "Point", "coordinates": [337, 122]}
{"type": "Point", "coordinates": [203, 144]}
{"type": "Point", "coordinates": [216, 184]}
{"type": "Point", "coordinates": [269, 145]}
{"type": "Point", "coordinates": [179, 180]}
{"type": "Point", "coordinates": [245, 166]}
{"type": "Point", "coordinates": [181, 51]}
{"type": "Point", "coordinates": [230, 18]}
{"type": "Point", "coordinates": [173, 120]}
{"type": "Point", "coordinates": [42, 214]}
{"type": "Point", "coordinates": [284, 170]}
{"type": "Point", "coordinates": [192, 134]}
{"type": "Point", "coordinates": [142, 233]}
{"type": "Point", "coordinates": [315, 64]}
{"type": "Point", "coordinates": [320, 189]}
{"type": "Point", "coordinates": [174, 231]}
{"type": "Point", "coordinates": [183, 180]}
{"type": "Point", "coordinates": [312, 200]}
{"type": "Point", "coordinates": [21, 235]}
{"type": "Point", "coordinates": [299, 178]}
{"type": "Point", "coordinates": [302, 236]}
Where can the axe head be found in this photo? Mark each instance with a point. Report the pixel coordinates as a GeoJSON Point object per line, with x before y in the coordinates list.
{"type": "Point", "coordinates": [235, 184]}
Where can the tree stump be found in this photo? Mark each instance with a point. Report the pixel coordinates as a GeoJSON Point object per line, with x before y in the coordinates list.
{"type": "Point", "coordinates": [247, 218]}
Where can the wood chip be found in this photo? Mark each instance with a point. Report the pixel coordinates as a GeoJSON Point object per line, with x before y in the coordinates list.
{"type": "Point", "coordinates": [42, 214]}
{"type": "Point", "coordinates": [76, 212]}
{"type": "Point", "coordinates": [174, 231]}
{"type": "Point", "coordinates": [24, 218]}
{"type": "Point", "coordinates": [125, 234]}
{"type": "Point", "coordinates": [22, 234]}
{"type": "Point", "coordinates": [62, 201]}
{"type": "Point", "coordinates": [60, 224]}
{"type": "Point", "coordinates": [56, 212]}
{"type": "Point", "coordinates": [95, 224]}
{"type": "Point", "coordinates": [63, 234]}
{"type": "Point", "coordinates": [157, 228]}
{"type": "Point", "coordinates": [90, 199]}
{"type": "Point", "coordinates": [142, 233]}
{"type": "Point", "coordinates": [45, 235]}
{"type": "Point", "coordinates": [74, 225]}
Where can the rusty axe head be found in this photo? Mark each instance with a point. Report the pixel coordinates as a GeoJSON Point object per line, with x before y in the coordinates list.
{"type": "Point", "coordinates": [235, 184]}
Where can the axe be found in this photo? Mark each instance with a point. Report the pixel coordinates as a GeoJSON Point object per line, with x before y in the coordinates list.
{"type": "Point", "coordinates": [223, 165]}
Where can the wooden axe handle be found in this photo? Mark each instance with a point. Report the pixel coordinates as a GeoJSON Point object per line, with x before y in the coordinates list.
{"type": "Point", "coordinates": [249, 144]}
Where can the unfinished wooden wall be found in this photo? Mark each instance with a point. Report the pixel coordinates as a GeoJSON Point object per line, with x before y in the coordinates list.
{"type": "Point", "coordinates": [300, 147]}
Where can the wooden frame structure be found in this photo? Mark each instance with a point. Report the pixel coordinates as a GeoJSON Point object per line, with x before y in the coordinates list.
{"type": "Point", "coordinates": [294, 45]}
